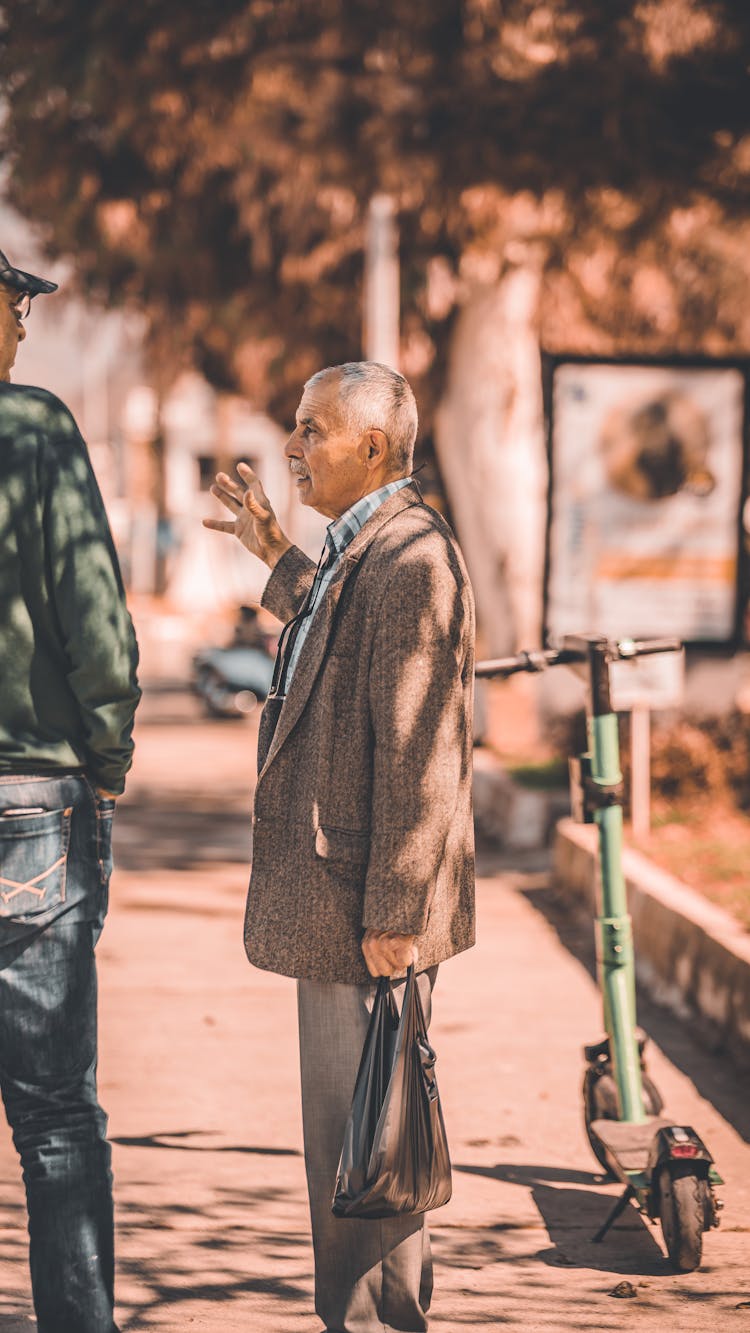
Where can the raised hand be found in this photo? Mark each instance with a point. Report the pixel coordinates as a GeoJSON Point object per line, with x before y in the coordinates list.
{"type": "Point", "coordinates": [254, 523]}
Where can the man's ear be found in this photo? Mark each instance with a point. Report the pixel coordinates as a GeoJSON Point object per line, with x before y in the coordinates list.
{"type": "Point", "coordinates": [376, 442]}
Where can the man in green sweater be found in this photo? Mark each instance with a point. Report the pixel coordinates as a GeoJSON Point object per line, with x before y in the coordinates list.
{"type": "Point", "coordinates": [68, 694]}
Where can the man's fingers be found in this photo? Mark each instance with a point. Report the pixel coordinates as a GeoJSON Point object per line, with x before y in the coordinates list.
{"type": "Point", "coordinates": [232, 499]}
{"type": "Point", "coordinates": [251, 497]}
{"type": "Point", "coordinates": [254, 484]}
{"type": "Point", "coordinates": [249, 477]}
{"type": "Point", "coordinates": [254, 506]}
{"type": "Point", "coordinates": [377, 964]}
{"type": "Point", "coordinates": [370, 960]}
{"type": "Point", "coordinates": [387, 953]}
{"type": "Point", "coordinates": [389, 949]}
{"type": "Point", "coordinates": [219, 524]}
{"type": "Point", "coordinates": [399, 954]}
{"type": "Point", "coordinates": [397, 959]}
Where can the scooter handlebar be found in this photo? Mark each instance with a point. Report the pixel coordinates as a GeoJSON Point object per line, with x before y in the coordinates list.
{"type": "Point", "coordinates": [540, 659]}
{"type": "Point", "coordinates": [644, 647]}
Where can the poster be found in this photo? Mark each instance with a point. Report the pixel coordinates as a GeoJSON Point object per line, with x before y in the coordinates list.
{"type": "Point", "coordinates": [645, 500]}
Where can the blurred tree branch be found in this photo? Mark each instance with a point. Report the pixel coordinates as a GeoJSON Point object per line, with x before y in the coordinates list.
{"type": "Point", "coordinates": [211, 163]}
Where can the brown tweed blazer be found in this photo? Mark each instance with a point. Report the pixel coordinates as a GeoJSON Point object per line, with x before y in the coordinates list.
{"type": "Point", "coordinates": [363, 812]}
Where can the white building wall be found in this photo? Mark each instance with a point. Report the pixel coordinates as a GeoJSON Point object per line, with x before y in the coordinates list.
{"type": "Point", "coordinates": [209, 570]}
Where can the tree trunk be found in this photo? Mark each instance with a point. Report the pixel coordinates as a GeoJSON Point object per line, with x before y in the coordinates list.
{"type": "Point", "coordinates": [490, 441]}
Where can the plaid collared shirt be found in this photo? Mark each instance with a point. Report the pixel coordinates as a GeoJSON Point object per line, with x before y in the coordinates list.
{"type": "Point", "coordinates": [341, 532]}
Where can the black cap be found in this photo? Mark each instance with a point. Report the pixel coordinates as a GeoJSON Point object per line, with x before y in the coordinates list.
{"type": "Point", "coordinates": [24, 282]}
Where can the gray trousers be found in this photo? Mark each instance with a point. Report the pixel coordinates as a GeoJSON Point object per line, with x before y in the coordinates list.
{"type": "Point", "coordinates": [371, 1276]}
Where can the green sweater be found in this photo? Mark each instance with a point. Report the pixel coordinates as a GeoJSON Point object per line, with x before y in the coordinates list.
{"type": "Point", "coordinates": [68, 655]}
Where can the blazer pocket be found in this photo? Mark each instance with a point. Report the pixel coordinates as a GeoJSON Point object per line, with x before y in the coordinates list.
{"type": "Point", "coordinates": [33, 864]}
{"type": "Point", "coordinates": [339, 844]}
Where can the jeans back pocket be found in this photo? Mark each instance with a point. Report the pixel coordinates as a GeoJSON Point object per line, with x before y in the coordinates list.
{"type": "Point", "coordinates": [33, 863]}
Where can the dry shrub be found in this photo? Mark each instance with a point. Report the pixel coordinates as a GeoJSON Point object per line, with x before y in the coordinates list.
{"type": "Point", "coordinates": [686, 761]}
{"type": "Point", "coordinates": [731, 735]}
{"type": "Point", "coordinates": [689, 758]}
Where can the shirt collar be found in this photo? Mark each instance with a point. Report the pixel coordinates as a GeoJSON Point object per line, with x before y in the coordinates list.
{"type": "Point", "coordinates": [344, 529]}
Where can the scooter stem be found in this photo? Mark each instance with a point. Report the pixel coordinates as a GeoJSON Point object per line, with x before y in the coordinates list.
{"type": "Point", "coordinates": [615, 957]}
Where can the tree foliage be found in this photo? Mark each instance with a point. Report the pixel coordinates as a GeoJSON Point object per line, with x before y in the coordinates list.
{"type": "Point", "coordinates": [212, 163]}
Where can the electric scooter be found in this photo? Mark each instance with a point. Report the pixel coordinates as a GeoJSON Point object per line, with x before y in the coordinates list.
{"type": "Point", "coordinates": [663, 1164]}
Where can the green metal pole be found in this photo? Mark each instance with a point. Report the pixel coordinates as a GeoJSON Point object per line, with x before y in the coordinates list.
{"type": "Point", "coordinates": [615, 955]}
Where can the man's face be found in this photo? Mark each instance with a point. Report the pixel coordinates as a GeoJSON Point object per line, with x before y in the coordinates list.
{"type": "Point", "coordinates": [326, 462]}
{"type": "Point", "coordinates": [12, 331]}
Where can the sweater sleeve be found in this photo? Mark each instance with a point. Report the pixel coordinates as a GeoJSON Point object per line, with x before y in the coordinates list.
{"type": "Point", "coordinates": [420, 706]}
{"type": "Point", "coordinates": [89, 600]}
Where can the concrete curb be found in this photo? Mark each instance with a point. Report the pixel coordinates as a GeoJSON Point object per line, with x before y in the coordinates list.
{"type": "Point", "coordinates": [691, 956]}
{"type": "Point", "coordinates": [508, 814]}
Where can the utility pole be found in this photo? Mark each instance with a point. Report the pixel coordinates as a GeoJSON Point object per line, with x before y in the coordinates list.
{"type": "Point", "coordinates": [141, 427]}
{"type": "Point", "coordinates": [381, 283]}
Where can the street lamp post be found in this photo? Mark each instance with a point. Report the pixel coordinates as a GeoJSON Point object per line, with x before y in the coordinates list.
{"type": "Point", "coordinates": [381, 283]}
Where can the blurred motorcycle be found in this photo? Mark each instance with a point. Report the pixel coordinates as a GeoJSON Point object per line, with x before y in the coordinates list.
{"type": "Point", "coordinates": [233, 681]}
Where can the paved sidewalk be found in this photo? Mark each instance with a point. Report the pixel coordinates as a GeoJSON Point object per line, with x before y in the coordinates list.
{"type": "Point", "coordinates": [199, 1075]}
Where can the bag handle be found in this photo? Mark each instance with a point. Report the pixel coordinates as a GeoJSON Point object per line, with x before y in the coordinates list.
{"type": "Point", "coordinates": [411, 996]}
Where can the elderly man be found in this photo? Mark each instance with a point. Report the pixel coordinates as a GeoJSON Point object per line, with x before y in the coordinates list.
{"type": "Point", "coordinates": [363, 848]}
{"type": "Point", "coordinates": [67, 662]}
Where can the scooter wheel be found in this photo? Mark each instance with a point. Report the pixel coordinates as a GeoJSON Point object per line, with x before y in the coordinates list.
{"type": "Point", "coordinates": [683, 1210]}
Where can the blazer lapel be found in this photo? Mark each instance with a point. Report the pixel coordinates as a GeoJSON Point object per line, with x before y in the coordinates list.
{"type": "Point", "coordinates": [316, 643]}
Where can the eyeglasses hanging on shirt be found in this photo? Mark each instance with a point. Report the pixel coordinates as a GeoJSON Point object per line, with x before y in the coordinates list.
{"type": "Point", "coordinates": [340, 534]}
{"type": "Point", "coordinates": [291, 630]}
{"type": "Point", "coordinates": [275, 701]}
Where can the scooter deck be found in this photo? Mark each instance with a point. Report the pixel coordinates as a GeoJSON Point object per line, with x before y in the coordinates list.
{"type": "Point", "coordinates": [629, 1143]}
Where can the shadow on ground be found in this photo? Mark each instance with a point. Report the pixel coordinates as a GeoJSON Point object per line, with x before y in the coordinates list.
{"type": "Point", "coordinates": [176, 1141]}
{"type": "Point", "coordinates": [16, 1296]}
{"type": "Point", "coordinates": [498, 1277]}
{"type": "Point", "coordinates": [175, 1255]}
{"type": "Point", "coordinates": [572, 1216]}
{"type": "Point", "coordinates": [175, 836]}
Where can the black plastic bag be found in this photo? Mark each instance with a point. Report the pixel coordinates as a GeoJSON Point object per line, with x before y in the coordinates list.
{"type": "Point", "coordinates": [395, 1155]}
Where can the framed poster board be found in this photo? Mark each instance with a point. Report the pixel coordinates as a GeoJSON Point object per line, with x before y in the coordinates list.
{"type": "Point", "coordinates": [646, 490]}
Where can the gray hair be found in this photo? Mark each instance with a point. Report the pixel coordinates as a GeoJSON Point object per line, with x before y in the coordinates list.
{"type": "Point", "coordinates": [374, 397]}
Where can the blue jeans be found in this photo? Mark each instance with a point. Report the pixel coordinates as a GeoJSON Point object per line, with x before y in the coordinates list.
{"type": "Point", "coordinates": [55, 863]}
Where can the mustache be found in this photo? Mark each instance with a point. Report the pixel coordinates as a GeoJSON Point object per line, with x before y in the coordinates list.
{"type": "Point", "coordinates": [297, 468]}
